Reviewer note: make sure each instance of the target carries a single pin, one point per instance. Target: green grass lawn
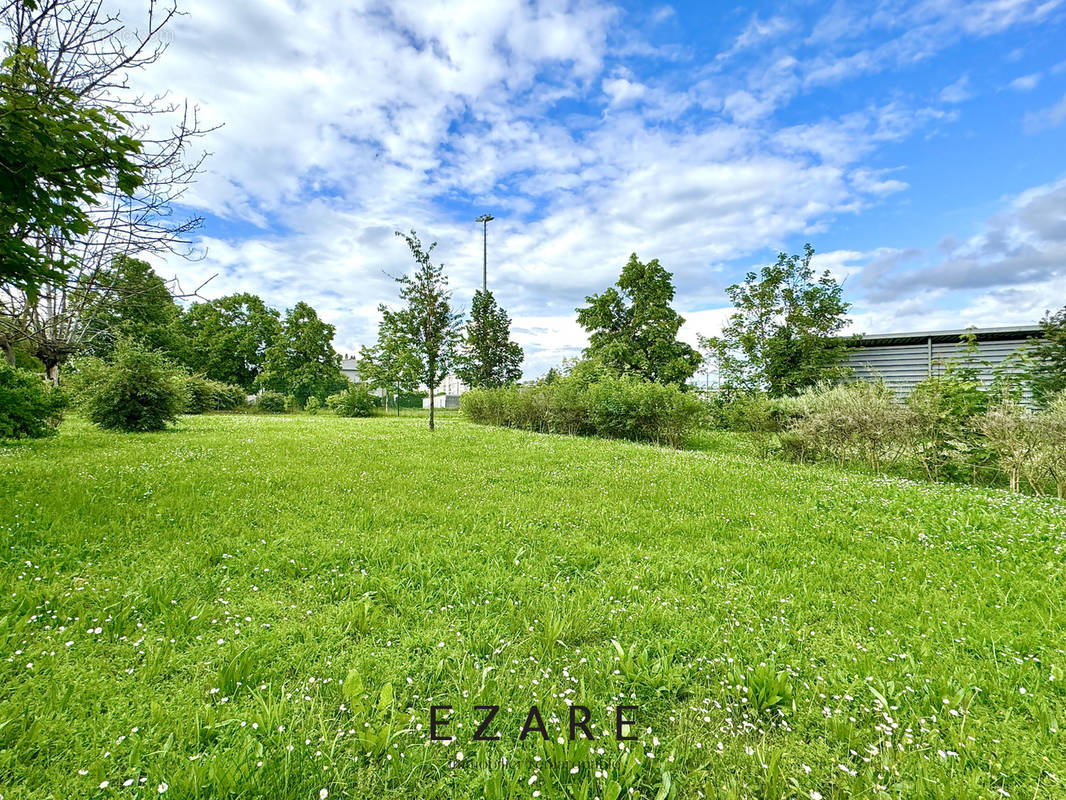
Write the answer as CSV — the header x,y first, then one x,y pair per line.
x,y
252,606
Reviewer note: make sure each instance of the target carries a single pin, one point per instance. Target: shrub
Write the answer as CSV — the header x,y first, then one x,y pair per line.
x,y
858,419
1047,359
353,402
684,415
198,394
271,402
528,409
628,409
203,395
491,406
568,407
1051,441
945,438
29,407
751,412
137,390
292,403
313,405
84,373
229,396
1011,431
477,406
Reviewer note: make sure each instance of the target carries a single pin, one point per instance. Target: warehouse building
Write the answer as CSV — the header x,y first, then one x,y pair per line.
x,y
902,360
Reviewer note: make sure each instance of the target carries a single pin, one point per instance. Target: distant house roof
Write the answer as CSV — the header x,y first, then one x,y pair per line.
x,y
921,337
350,368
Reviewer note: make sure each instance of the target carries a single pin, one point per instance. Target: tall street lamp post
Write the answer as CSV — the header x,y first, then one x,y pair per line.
x,y
485,219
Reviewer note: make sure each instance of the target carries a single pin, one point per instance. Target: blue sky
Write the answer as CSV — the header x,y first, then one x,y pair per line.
x,y
918,146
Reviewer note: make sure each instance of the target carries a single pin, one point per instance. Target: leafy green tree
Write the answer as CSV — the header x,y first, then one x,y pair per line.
x,y
1047,371
136,305
226,339
426,323
390,364
633,330
301,361
56,156
782,336
487,357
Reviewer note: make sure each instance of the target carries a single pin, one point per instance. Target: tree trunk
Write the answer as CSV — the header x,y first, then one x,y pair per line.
x,y
51,371
431,404
9,351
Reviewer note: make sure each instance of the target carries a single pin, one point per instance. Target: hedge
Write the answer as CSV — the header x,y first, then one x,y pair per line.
x,y
621,408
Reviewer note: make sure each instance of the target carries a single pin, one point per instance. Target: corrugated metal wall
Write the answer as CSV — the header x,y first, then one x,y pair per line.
x,y
901,366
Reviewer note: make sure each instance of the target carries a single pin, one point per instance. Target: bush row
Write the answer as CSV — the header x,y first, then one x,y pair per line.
x,y
137,389
622,408
356,401
948,428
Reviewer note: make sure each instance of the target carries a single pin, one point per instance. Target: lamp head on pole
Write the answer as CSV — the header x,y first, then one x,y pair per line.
x,y
485,218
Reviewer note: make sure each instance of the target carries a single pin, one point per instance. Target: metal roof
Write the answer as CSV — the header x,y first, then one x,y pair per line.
x,y
919,337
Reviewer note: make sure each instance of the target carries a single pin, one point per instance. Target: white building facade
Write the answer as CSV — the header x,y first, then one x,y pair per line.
x,y
447,393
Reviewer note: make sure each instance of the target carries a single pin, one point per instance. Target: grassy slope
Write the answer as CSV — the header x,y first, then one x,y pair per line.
x,y
191,601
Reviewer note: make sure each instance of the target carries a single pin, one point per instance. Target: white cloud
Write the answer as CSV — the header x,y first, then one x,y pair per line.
x,y
663,13
758,31
872,182
916,32
1045,118
957,92
1025,83
622,91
